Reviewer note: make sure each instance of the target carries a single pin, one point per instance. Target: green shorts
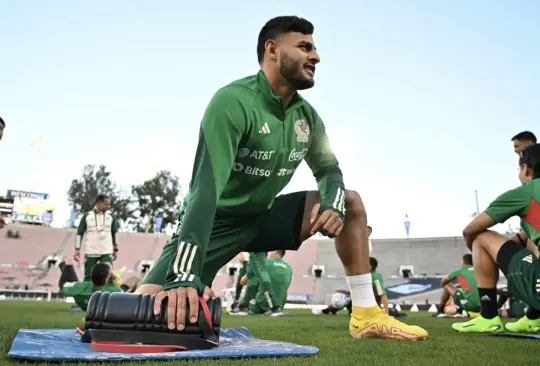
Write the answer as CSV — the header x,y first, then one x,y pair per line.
x,y
278,228
466,301
522,270
91,261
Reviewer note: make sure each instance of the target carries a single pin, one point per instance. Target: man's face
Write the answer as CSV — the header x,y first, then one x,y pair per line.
x,y
104,205
297,57
369,230
519,146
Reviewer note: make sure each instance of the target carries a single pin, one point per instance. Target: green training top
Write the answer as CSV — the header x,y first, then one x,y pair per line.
x,y
523,201
82,291
249,147
281,275
465,277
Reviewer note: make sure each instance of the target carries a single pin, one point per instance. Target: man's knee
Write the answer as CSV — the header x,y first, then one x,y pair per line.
x,y
450,289
354,206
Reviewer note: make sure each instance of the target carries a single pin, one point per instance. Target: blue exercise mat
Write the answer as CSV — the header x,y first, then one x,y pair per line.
x,y
515,335
65,345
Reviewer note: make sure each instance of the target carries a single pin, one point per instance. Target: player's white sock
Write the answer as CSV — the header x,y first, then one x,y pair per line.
x,y
361,290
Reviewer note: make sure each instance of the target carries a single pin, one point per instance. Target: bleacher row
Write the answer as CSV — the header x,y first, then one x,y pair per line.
x,y
30,261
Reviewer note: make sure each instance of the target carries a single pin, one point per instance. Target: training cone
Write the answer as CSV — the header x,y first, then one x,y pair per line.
x,y
432,308
414,308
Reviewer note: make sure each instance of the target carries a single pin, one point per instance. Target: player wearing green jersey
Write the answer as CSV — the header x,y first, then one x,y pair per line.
x,y
517,258
280,273
254,134
258,279
102,279
99,228
467,297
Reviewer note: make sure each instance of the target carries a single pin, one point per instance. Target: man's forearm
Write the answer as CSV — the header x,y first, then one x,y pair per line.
x,y
78,241
384,300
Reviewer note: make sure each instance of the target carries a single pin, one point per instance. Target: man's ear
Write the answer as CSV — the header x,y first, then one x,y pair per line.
x,y
271,49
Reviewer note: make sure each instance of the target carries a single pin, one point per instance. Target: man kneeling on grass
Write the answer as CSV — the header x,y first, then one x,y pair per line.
x,y
517,258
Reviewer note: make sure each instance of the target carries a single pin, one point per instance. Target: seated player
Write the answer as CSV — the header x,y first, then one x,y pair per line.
x,y
258,279
517,258
243,258
465,298
281,276
102,279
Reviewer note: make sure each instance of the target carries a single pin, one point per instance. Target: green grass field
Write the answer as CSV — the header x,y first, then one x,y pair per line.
x,y
328,333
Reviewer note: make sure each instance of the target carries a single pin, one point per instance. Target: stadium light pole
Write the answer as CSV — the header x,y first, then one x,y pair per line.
x,y
477,205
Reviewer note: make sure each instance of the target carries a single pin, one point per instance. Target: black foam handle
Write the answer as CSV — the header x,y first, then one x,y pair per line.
x,y
127,311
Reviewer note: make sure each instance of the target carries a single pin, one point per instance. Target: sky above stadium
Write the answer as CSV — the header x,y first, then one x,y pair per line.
x,y
420,98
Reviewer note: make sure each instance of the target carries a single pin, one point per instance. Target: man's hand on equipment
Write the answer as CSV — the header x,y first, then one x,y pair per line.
x,y
77,255
176,307
329,222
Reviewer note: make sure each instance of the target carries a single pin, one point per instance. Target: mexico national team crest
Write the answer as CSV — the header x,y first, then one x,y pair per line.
x,y
302,130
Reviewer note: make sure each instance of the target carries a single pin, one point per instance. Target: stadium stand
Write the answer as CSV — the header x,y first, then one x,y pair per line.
x,y
411,267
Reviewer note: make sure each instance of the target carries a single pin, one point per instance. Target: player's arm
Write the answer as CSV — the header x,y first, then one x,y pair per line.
x,y
325,167
522,238
81,230
445,281
114,235
451,277
380,290
71,289
384,300
511,203
224,123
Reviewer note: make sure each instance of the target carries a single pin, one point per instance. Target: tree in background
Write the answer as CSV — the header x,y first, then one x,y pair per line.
x,y
97,180
158,197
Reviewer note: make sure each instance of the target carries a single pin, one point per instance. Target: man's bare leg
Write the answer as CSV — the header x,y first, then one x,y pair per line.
x,y
485,250
448,291
352,246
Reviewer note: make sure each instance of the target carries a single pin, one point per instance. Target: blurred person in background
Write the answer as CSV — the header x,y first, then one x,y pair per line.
x,y
2,127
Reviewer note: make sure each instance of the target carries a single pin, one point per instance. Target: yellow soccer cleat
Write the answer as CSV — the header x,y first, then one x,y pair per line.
x,y
374,322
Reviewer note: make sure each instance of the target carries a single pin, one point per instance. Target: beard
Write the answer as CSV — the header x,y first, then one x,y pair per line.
x,y
291,71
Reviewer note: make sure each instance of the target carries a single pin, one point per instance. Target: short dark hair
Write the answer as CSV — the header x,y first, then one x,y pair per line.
x,y
467,259
101,198
374,263
100,274
2,122
525,136
530,156
278,26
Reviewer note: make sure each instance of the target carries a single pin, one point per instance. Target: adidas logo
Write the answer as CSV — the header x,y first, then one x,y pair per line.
x,y
528,259
486,298
265,129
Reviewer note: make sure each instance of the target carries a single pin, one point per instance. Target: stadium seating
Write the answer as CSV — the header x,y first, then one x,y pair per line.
x,y
31,260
